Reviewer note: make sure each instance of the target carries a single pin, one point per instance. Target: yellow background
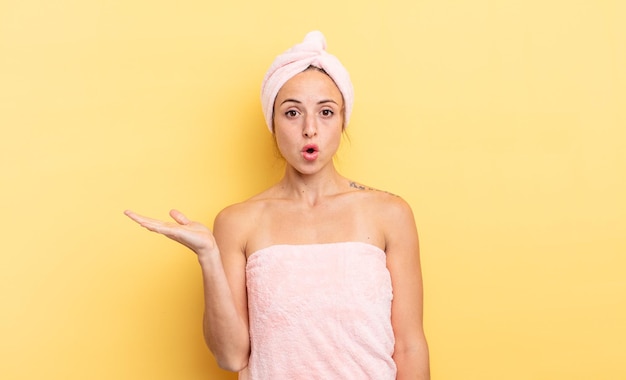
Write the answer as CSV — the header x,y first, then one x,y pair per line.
x,y
503,123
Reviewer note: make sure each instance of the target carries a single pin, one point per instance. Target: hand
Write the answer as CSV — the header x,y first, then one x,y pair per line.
x,y
193,235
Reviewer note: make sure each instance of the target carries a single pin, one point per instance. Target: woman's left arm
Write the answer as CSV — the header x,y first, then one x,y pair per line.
x,y
403,262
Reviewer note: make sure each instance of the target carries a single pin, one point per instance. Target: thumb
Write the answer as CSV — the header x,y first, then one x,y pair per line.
x,y
179,217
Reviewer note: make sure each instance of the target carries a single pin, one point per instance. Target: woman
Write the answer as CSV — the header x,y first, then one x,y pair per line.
x,y
317,276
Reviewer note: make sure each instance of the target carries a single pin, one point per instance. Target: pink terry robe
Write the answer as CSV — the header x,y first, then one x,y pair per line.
x,y
319,311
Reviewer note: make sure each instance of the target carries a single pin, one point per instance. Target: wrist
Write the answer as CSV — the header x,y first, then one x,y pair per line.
x,y
208,257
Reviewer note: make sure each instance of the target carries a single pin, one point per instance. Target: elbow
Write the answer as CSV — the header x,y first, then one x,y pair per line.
x,y
233,364
232,359
232,353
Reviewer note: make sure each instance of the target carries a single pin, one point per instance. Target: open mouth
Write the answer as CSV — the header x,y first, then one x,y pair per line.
x,y
310,148
310,152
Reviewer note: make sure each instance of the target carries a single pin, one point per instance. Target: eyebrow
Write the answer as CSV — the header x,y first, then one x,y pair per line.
x,y
299,102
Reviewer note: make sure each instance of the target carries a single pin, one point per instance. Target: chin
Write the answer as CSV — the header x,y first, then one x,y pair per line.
x,y
311,168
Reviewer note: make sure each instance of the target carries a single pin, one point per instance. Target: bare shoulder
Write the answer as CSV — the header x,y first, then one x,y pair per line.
x,y
238,215
235,224
392,216
384,202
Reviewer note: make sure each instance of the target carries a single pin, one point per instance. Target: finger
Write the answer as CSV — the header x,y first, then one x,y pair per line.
x,y
132,215
138,218
164,228
149,223
179,217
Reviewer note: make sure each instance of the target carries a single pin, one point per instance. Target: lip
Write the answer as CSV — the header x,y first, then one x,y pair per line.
x,y
310,152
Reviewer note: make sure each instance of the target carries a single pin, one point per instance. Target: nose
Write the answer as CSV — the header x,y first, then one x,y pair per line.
x,y
310,127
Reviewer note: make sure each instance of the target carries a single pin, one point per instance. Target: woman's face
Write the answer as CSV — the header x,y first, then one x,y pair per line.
x,y
308,120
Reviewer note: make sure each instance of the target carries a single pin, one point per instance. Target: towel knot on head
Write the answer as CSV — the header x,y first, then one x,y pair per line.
x,y
310,52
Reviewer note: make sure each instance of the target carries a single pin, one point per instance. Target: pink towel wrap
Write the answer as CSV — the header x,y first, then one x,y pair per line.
x,y
319,311
310,52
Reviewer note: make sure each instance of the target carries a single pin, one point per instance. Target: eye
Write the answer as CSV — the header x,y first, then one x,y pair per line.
x,y
327,112
291,113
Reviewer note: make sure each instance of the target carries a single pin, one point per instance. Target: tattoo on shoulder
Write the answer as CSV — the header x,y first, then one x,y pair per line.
x,y
358,186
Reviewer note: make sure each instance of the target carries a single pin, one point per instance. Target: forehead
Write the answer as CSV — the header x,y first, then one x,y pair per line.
x,y
310,84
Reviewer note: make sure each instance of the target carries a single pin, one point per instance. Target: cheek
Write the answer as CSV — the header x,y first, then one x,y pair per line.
x,y
282,142
334,140
277,150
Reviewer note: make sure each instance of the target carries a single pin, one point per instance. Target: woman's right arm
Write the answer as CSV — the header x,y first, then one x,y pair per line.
x,y
226,326
225,322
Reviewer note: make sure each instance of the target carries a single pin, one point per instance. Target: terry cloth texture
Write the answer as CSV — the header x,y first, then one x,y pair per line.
x,y
320,311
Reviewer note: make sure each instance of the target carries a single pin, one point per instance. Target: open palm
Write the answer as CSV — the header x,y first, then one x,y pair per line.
x,y
193,235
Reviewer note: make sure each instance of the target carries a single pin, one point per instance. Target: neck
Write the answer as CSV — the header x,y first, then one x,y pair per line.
x,y
311,188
